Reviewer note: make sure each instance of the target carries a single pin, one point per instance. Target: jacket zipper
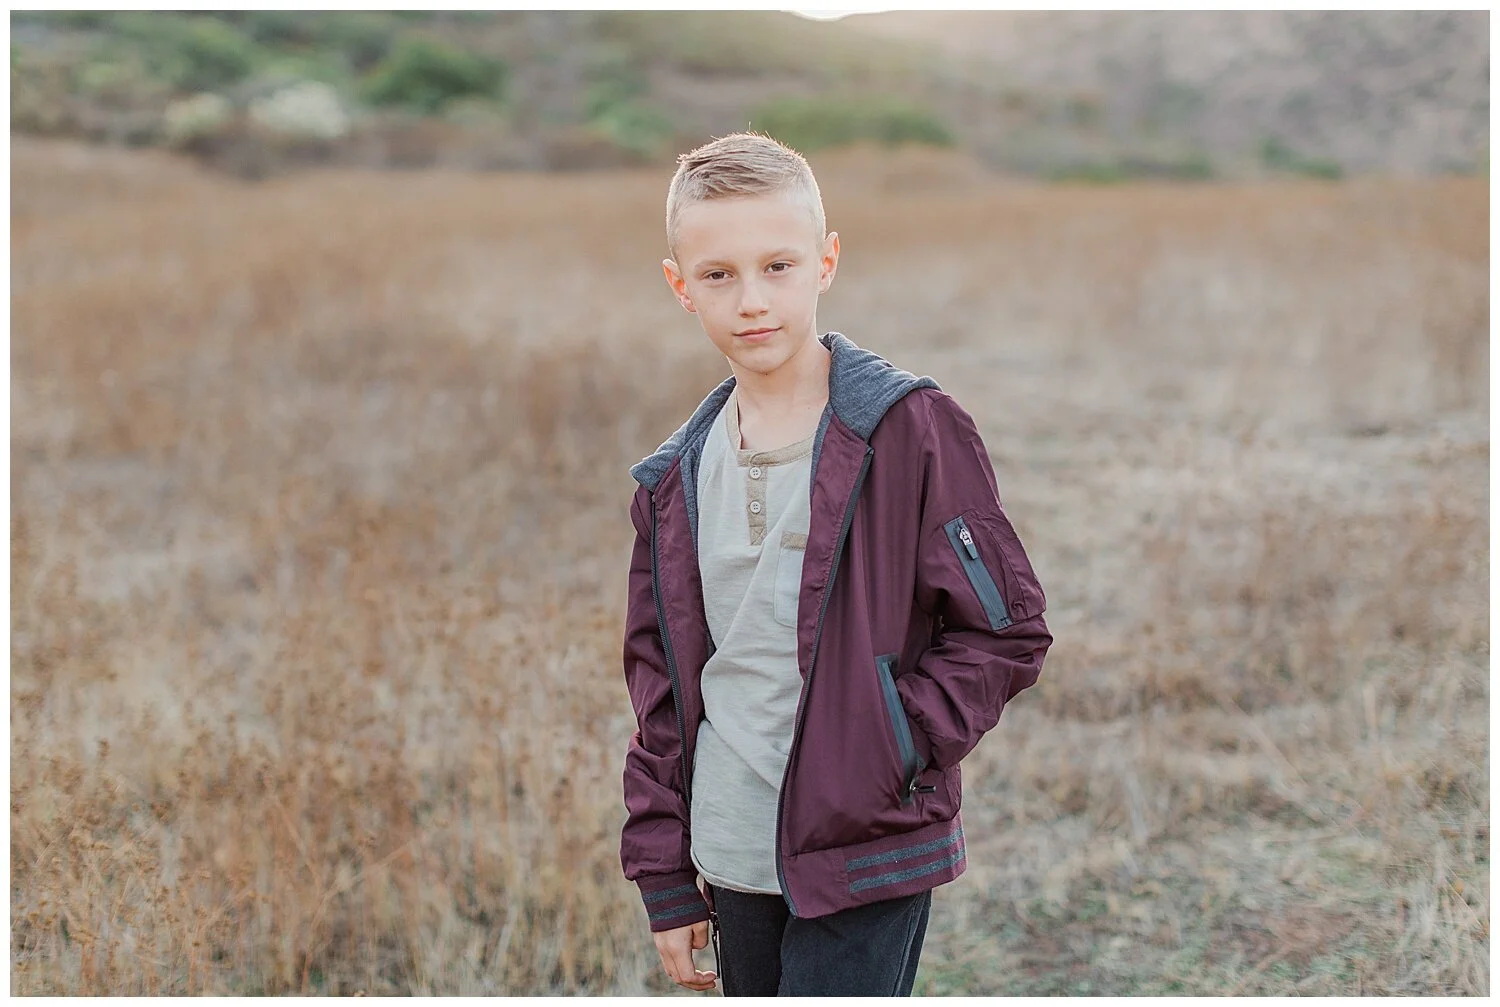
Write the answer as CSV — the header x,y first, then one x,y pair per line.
x,y
979,575
838,552
666,644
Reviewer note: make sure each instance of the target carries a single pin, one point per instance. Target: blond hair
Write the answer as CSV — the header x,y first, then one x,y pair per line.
x,y
741,164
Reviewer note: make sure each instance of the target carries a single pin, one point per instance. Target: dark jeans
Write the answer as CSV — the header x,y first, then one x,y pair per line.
x,y
869,950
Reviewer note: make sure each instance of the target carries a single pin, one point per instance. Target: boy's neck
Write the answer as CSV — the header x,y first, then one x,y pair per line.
x,y
802,379
779,404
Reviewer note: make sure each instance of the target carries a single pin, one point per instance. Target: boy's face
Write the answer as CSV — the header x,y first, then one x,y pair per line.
x,y
750,263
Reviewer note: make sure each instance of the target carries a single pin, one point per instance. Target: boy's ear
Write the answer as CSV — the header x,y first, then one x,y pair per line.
x,y
830,261
678,284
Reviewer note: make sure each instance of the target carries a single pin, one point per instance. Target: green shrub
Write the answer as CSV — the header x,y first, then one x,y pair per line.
x,y
424,74
764,44
639,129
80,20
809,124
316,64
364,38
1194,166
200,53
213,55
1173,106
612,78
191,53
1083,110
281,28
124,81
719,43
1277,155
39,96
356,39
1090,173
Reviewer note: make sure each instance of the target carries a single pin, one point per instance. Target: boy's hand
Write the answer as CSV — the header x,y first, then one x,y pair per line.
x,y
676,950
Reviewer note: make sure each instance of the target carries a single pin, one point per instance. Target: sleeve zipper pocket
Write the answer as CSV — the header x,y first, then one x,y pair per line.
x,y
979,576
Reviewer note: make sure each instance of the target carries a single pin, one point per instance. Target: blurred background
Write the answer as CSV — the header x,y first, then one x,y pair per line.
x,y
1099,96
335,334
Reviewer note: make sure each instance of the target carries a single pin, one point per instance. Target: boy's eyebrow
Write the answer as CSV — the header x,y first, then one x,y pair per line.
x,y
780,253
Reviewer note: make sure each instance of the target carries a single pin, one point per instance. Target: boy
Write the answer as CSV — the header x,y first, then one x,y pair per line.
x,y
827,609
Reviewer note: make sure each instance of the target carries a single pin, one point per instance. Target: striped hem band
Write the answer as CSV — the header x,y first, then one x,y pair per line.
x,y
902,856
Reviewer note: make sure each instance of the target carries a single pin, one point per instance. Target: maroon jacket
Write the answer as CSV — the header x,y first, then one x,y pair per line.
x,y
919,618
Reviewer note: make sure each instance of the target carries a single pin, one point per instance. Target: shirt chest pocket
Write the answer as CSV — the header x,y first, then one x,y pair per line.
x,y
788,584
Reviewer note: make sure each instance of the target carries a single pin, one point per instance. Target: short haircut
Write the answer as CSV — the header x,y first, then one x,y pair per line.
x,y
741,164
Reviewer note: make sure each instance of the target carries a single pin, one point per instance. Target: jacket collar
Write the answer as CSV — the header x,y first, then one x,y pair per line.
x,y
862,385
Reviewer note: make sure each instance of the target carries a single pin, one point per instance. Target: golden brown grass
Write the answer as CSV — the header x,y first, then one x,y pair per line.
x,y
319,541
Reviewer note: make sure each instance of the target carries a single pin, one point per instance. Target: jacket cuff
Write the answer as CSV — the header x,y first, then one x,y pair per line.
x,y
673,900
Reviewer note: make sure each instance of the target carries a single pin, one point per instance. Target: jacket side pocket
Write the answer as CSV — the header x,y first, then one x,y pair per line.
x,y
911,763
967,548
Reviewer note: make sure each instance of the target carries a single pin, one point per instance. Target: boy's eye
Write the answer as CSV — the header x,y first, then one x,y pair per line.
x,y
719,274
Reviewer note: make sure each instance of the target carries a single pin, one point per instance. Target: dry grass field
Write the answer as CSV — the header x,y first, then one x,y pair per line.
x,y
319,541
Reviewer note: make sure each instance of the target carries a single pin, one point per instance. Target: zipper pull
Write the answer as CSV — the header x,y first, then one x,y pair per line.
x,y
967,540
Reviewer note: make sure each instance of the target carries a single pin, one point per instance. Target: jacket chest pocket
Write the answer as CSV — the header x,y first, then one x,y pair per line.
x,y
788,584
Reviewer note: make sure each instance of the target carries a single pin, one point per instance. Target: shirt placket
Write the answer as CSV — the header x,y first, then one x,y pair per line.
x,y
755,500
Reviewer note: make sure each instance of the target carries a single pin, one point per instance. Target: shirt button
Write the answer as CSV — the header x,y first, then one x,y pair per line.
x,y
754,506
755,472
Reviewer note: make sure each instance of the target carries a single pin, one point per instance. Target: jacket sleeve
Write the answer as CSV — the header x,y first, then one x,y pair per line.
x,y
974,577
654,842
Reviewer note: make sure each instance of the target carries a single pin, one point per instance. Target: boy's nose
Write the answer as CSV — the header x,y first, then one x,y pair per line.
x,y
752,301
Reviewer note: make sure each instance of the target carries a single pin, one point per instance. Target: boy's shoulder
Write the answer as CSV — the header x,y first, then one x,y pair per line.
x,y
929,408
649,470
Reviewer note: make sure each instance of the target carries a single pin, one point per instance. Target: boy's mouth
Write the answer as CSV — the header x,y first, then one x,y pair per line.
x,y
755,334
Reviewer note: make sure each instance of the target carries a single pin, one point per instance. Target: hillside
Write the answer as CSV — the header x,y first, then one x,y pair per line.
x,y
1092,96
1369,91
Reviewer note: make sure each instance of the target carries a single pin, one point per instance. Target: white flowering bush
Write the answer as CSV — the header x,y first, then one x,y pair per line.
x,y
194,118
305,110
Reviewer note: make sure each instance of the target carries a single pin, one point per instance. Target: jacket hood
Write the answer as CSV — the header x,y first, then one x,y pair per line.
x,y
862,385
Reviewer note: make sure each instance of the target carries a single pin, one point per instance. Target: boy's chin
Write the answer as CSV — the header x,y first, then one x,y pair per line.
x,y
761,360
